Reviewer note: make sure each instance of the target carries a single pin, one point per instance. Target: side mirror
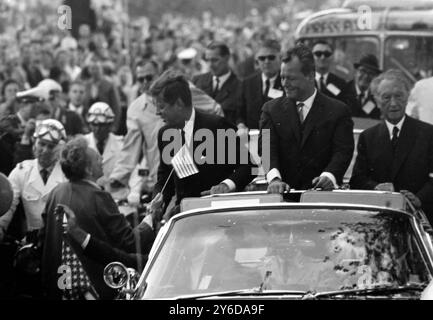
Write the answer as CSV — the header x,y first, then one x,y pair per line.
x,y
116,275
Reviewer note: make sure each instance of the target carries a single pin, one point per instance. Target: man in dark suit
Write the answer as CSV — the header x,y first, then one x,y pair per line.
x,y
219,169
311,138
357,94
396,154
327,82
260,87
220,83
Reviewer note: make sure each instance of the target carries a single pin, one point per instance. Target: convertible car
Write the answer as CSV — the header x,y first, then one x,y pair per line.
x,y
344,244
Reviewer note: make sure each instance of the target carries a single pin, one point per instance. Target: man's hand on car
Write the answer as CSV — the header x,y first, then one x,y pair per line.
x,y
323,183
278,186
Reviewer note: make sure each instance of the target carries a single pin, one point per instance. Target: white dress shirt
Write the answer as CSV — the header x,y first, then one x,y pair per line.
x,y
325,78
275,173
271,81
222,79
391,126
189,129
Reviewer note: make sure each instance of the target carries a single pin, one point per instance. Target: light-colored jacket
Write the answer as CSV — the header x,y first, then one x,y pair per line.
x,y
111,155
28,185
140,143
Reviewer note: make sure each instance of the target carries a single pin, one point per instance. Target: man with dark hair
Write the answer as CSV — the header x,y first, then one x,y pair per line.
x,y
205,172
261,87
357,93
397,154
220,83
327,82
311,139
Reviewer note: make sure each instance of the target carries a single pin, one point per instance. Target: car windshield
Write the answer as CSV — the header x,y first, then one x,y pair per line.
x,y
297,249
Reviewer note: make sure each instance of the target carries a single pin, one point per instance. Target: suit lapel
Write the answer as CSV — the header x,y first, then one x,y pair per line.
x,y
405,143
208,85
314,115
289,115
384,146
225,89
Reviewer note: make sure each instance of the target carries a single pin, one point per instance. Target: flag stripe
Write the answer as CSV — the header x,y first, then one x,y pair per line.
x,y
183,163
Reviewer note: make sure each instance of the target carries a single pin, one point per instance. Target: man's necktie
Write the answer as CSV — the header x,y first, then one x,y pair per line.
x,y
361,98
217,85
267,87
322,84
44,175
300,109
394,138
182,134
100,145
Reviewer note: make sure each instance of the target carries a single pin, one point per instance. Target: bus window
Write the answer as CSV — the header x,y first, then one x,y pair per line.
x,y
412,55
348,50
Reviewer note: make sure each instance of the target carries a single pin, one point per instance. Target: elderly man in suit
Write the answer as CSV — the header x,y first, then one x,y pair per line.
x,y
261,87
207,173
220,83
357,93
396,154
327,82
311,138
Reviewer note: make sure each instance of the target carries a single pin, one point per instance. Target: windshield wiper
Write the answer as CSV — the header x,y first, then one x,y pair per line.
x,y
374,291
244,292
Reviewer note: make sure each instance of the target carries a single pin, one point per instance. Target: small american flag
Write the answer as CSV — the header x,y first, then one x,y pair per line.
x,y
183,164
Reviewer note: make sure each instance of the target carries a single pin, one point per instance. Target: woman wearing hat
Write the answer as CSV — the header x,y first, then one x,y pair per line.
x,y
32,180
357,93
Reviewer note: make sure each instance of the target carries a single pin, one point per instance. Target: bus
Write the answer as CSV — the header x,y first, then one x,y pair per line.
x,y
398,32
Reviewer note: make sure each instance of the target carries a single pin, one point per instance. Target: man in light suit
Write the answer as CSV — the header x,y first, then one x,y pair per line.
x,y
396,154
220,83
311,138
260,87
100,118
32,180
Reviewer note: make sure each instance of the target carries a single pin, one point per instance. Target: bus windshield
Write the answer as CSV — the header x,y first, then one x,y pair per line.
x,y
410,54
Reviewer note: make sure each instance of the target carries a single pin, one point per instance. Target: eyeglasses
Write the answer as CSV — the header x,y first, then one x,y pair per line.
x,y
326,54
270,57
148,78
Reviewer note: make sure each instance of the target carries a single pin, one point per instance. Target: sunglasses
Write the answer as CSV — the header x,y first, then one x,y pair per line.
x,y
148,78
270,57
326,54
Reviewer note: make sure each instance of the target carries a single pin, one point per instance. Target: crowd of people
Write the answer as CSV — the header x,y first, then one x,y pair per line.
x,y
84,123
